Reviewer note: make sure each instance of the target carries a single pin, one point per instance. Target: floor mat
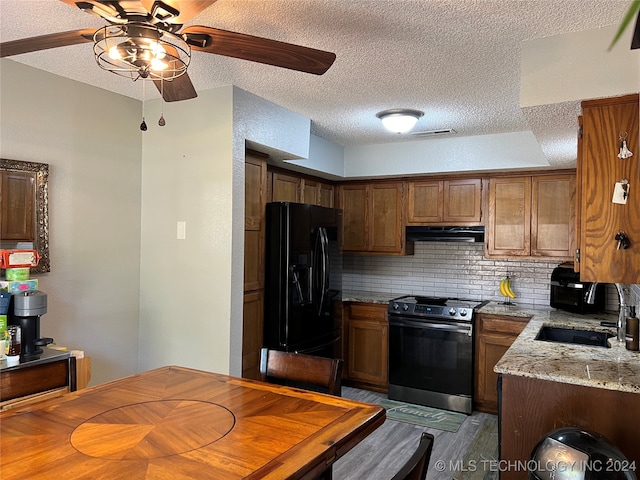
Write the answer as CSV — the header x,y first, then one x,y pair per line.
x,y
424,416
481,461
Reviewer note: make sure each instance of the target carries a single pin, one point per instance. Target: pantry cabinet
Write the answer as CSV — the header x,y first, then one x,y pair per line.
x,y
255,199
606,123
445,202
494,336
531,216
372,218
366,339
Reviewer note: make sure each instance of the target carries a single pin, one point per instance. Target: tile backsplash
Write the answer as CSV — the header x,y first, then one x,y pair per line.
x,y
457,270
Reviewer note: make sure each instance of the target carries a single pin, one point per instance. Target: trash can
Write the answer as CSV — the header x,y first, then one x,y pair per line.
x,y
577,454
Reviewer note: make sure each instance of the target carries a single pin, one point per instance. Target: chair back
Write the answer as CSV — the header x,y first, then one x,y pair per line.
x,y
416,467
300,370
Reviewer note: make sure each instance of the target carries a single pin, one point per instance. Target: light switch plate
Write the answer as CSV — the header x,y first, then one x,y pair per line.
x,y
182,230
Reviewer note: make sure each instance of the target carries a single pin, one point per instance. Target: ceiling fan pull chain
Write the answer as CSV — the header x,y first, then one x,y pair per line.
x,y
161,121
143,125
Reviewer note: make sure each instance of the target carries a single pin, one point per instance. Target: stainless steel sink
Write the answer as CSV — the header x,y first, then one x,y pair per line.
x,y
576,337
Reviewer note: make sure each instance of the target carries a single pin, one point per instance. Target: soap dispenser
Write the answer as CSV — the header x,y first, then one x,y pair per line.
x,y
633,331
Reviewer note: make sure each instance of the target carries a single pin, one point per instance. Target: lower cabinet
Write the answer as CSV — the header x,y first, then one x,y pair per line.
x,y
494,336
366,345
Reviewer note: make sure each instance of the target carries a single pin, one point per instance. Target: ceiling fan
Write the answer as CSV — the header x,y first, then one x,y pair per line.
x,y
145,39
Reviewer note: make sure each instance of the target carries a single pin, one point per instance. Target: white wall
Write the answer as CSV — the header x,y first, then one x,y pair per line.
x,y
91,141
578,66
184,284
440,155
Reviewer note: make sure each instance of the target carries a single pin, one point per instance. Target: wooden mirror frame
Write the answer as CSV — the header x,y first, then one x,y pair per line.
x,y
41,171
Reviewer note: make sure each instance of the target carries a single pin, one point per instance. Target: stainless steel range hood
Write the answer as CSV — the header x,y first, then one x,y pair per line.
x,y
445,234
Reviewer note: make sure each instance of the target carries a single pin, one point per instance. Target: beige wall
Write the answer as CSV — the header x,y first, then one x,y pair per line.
x,y
90,139
184,284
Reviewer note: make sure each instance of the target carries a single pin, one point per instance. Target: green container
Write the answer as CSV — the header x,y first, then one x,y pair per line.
x,y
21,273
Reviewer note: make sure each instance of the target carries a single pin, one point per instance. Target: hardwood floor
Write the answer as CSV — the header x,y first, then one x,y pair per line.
x,y
382,453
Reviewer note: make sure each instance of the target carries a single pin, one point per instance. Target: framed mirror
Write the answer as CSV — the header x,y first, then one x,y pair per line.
x,y
24,205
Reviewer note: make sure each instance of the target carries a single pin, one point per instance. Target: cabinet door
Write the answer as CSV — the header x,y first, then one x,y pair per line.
x,y
17,191
252,324
386,231
424,203
490,349
601,219
326,195
254,207
367,351
462,201
286,188
494,336
509,216
354,217
553,216
310,192
367,346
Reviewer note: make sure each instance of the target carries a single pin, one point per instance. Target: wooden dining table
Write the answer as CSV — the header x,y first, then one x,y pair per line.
x,y
179,423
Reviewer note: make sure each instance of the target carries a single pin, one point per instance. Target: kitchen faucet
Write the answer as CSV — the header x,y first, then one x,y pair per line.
x,y
621,325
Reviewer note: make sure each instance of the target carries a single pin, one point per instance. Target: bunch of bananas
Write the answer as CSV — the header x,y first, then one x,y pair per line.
x,y
505,288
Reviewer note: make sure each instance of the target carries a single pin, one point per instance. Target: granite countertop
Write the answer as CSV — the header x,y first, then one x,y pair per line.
x,y
614,368
368,297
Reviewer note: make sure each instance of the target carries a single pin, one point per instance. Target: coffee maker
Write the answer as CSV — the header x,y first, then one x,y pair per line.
x,y
25,310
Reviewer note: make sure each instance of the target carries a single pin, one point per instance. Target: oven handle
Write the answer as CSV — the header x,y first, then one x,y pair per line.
x,y
456,328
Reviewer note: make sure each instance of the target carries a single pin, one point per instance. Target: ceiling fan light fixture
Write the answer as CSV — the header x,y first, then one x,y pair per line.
x,y
399,120
141,50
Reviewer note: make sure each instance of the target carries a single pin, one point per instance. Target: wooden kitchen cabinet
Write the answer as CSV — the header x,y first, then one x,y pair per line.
x,y
494,336
17,193
604,123
445,202
52,375
254,241
317,193
286,188
372,218
366,345
532,216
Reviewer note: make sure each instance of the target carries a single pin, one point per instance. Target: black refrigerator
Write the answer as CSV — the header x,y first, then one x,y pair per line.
x,y
302,278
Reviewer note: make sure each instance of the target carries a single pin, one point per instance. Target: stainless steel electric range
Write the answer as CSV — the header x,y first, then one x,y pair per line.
x,y
431,351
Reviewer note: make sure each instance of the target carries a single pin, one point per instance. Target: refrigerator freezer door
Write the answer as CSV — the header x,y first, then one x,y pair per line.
x,y
298,307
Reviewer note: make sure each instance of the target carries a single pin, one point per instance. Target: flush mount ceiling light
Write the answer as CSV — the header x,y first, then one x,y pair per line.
x,y
399,120
141,50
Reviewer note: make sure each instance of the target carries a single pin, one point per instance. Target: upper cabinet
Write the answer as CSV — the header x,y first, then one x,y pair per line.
x,y
531,216
286,188
317,193
445,202
372,218
606,123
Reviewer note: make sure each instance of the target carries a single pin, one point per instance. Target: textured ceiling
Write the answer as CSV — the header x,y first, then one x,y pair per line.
x,y
458,60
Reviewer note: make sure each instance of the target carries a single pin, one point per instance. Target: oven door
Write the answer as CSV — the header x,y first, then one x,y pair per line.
x,y
431,355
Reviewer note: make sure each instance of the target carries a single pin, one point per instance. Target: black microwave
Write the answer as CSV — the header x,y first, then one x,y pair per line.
x,y
569,293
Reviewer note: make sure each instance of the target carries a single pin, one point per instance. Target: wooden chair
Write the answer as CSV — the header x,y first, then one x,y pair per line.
x,y
300,370
416,467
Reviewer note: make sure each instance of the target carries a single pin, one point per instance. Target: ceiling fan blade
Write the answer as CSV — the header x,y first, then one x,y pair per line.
x,y
44,42
180,88
257,49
